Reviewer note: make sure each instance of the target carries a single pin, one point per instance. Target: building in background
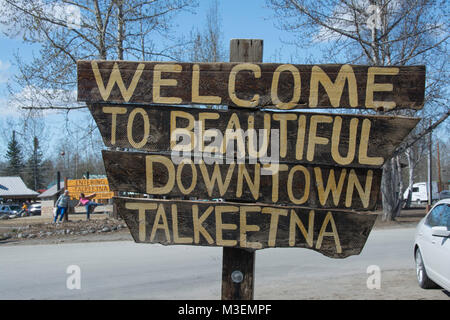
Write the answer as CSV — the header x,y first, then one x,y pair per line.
x,y
48,199
13,189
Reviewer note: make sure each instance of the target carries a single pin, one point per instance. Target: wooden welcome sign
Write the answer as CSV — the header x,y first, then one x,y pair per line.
x,y
334,233
250,85
308,185
261,178
347,140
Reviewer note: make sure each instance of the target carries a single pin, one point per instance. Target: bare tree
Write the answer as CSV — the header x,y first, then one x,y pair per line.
x,y
378,32
68,31
207,45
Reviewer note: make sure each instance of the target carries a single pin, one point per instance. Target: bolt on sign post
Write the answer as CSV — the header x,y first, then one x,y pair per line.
x,y
264,173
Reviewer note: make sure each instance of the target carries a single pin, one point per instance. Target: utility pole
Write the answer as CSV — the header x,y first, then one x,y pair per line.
x,y
58,178
35,146
430,179
69,208
439,169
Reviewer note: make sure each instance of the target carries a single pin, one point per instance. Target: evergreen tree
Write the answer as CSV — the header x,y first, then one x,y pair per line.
x,y
34,178
14,157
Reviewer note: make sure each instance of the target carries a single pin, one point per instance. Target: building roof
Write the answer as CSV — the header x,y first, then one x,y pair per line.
x,y
15,187
52,191
95,176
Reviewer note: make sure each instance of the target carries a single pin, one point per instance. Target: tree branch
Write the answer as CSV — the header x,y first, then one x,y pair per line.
x,y
422,134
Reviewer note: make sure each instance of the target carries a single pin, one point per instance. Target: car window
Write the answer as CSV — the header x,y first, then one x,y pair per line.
x,y
445,217
415,189
434,217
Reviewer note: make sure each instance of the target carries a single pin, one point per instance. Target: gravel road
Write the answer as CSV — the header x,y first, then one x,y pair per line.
x,y
126,270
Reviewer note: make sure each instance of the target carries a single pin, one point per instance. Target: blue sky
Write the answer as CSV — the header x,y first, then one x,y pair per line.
x,y
250,21
245,19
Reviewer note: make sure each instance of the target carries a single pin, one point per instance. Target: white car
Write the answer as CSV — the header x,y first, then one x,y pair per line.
x,y
35,209
432,247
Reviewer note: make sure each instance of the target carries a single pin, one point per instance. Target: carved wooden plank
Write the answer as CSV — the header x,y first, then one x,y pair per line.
x,y
334,233
250,85
318,138
306,185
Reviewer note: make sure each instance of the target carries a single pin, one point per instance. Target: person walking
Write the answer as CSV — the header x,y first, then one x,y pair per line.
x,y
90,205
62,205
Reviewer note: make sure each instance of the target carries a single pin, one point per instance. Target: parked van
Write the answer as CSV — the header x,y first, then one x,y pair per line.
x,y
420,194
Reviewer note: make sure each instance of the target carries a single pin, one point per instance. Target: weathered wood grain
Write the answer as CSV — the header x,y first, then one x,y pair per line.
x,y
306,185
241,50
242,260
334,233
251,85
376,137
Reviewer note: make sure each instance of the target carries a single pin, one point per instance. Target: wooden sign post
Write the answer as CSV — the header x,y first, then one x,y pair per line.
x,y
238,265
262,178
